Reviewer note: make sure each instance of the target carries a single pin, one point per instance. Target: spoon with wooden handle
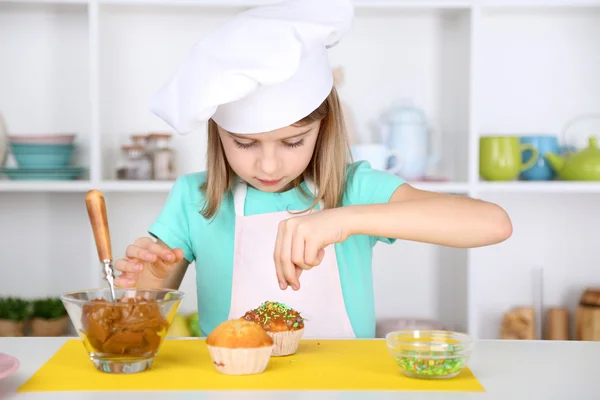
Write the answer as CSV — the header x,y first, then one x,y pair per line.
x,y
96,208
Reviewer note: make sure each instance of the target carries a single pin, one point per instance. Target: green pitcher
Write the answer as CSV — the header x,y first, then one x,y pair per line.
x,y
500,157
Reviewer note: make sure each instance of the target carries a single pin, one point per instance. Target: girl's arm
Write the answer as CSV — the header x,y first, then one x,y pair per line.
x,y
421,216
410,214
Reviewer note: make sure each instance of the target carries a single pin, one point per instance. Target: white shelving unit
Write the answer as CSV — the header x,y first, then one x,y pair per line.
x,y
555,187
474,66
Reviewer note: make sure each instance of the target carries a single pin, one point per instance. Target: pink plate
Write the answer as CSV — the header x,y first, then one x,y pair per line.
x,y
8,365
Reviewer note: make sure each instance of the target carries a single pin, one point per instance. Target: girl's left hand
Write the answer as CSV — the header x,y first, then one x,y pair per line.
x,y
301,241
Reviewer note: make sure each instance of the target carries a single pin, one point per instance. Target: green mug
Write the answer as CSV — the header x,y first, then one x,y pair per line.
x,y
500,157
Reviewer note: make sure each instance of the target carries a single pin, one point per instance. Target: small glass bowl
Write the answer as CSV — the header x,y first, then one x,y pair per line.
x,y
122,337
429,354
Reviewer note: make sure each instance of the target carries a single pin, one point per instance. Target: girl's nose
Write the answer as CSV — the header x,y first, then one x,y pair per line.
x,y
269,162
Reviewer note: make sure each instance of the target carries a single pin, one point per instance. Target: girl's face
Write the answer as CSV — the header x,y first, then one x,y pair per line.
x,y
270,161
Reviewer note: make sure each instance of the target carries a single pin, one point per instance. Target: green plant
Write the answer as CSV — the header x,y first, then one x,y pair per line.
x,y
48,308
14,309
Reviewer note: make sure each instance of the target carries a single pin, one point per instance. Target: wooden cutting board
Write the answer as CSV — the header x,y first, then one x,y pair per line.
x,y
186,365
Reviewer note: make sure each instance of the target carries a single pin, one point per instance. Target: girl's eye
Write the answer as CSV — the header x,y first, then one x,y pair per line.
x,y
295,144
243,145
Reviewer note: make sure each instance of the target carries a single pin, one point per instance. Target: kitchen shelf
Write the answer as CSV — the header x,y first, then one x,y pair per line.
x,y
414,4
44,186
136,186
187,3
153,186
163,186
539,187
390,4
84,186
442,187
522,187
523,4
46,2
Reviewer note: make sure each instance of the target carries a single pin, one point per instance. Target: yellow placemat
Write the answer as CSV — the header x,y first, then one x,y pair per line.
x,y
186,365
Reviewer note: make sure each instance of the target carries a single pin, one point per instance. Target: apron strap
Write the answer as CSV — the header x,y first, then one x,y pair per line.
x,y
240,189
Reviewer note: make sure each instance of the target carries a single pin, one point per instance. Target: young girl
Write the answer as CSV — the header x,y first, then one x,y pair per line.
x,y
281,214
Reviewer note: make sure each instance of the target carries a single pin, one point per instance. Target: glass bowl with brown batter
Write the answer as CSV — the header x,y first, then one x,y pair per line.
x,y
124,336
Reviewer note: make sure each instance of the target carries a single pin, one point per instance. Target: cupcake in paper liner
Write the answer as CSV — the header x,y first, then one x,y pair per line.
x,y
282,323
239,347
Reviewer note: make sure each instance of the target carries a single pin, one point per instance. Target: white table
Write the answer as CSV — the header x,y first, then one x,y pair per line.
x,y
508,370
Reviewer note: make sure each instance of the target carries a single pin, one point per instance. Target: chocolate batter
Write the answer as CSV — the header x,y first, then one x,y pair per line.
x,y
131,327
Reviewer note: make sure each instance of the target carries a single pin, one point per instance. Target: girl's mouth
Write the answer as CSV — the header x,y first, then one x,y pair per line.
x,y
269,183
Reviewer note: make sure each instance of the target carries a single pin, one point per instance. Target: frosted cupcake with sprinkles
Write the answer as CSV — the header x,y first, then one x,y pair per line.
x,y
282,323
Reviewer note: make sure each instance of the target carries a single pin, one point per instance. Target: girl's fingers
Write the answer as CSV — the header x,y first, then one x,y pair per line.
x,y
165,255
277,258
139,253
321,256
126,280
128,265
312,254
288,268
298,250
150,252
178,255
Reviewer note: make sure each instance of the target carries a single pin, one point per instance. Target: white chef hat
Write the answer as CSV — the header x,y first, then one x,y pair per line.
x,y
265,69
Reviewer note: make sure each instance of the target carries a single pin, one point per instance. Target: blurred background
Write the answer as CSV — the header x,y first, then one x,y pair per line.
x,y
496,100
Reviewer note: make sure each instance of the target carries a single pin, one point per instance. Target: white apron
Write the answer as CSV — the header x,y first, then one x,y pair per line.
x,y
319,299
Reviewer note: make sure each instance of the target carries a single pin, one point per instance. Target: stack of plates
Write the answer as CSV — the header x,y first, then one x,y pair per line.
x,y
42,157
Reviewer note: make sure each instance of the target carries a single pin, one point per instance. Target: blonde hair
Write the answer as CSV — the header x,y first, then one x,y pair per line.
x,y
327,168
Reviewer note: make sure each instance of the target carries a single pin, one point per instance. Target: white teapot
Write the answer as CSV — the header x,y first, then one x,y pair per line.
x,y
405,131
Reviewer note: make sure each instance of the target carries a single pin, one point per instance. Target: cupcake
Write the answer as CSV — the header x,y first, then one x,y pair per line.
x,y
239,347
282,323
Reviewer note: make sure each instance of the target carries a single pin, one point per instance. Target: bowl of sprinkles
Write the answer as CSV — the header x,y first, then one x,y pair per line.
x,y
284,324
432,354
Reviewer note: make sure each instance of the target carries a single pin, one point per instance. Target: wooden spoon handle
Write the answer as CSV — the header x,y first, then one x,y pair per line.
x,y
96,208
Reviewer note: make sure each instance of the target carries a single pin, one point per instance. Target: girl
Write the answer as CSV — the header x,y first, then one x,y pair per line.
x,y
280,213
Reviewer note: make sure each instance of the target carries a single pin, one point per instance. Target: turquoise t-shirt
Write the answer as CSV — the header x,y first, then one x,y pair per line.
x,y
210,243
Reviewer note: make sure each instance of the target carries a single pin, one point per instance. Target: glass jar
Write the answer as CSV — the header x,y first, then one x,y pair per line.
x,y
140,140
135,164
122,166
163,157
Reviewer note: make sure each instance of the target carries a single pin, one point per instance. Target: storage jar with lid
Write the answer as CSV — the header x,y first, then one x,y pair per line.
x,y
163,157
135,164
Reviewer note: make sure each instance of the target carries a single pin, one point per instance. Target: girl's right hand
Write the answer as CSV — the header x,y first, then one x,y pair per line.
x,y
144,257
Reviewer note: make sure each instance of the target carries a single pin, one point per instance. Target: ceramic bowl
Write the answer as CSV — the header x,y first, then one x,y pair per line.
x,y
429,354
43,174
122,337
29,155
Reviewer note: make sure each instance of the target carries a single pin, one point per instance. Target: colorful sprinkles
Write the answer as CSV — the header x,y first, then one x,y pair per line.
x,y
272,312
444,364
